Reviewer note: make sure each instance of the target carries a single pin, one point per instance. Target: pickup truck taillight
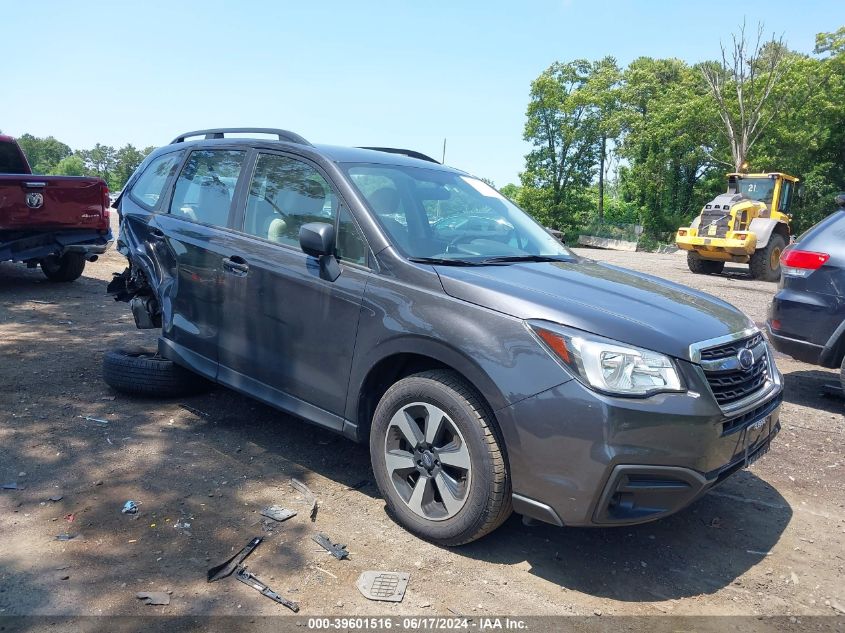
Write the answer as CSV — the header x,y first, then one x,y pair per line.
x,y
106,202
798,263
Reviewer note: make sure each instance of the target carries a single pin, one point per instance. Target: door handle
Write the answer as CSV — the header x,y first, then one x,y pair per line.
x,y
235,265
157,234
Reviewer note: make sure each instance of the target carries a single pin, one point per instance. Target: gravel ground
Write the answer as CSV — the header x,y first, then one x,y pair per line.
x,y
767,542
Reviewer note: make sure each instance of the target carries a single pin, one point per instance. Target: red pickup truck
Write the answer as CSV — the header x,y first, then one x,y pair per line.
x,y
57,222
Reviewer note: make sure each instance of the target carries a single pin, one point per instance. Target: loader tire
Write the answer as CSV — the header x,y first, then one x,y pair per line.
x,y
765,262
703,266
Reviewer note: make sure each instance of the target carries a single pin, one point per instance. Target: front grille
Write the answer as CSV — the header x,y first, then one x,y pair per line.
x,y
732,385
730,349
740,422
720,218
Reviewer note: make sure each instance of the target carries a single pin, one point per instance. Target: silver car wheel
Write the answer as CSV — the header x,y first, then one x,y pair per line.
x,y
428,461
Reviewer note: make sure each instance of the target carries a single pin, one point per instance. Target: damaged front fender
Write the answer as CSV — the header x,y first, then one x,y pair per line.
x,y
135,285
132,287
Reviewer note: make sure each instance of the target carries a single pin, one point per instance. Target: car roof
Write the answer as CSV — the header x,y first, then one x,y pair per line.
x,y
334,153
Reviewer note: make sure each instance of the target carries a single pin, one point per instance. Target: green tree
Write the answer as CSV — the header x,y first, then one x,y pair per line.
x,y
668,125
127,159
833,43
100,161
807,138
603,93
562,127
70,166
43,154
511,192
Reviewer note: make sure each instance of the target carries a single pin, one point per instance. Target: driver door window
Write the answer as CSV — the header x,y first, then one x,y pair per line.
x,y
284,194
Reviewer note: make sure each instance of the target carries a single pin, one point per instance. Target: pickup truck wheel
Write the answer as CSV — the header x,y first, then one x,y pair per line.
x,y
68,267
765,262
144,373
438,459
703,266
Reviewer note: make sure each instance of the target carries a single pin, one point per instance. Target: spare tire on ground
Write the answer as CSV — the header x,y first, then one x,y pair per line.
x,y
140,372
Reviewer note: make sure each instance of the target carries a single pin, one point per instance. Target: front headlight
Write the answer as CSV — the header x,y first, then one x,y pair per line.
x,y
606,365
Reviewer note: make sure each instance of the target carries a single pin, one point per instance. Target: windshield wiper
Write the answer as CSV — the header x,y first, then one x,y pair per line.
x,y
443,261
525,258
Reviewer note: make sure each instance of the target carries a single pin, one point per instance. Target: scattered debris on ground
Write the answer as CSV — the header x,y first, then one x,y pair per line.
x,y
250,580
335,549
154,597
309,496
385,586
227,568
277,513
130,507
99,421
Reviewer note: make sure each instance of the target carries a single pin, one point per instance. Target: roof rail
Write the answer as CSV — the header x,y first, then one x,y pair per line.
x,y
405,152
284,135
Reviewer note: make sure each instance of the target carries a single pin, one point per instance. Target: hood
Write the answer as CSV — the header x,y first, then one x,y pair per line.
x,y
626,306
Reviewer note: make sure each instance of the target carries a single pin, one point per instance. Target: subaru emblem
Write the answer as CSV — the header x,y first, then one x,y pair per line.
x,y
745,358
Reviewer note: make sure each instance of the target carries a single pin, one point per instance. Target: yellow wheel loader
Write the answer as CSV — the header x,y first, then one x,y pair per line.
x,y
748,225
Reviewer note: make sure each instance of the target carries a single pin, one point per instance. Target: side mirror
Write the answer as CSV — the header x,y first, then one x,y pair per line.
x,y
317,240
840,201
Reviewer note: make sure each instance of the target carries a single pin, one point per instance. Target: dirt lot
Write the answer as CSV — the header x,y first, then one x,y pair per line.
x,y
768,542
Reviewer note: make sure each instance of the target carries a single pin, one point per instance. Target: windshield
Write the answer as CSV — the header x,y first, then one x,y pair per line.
x,y
759,189
435,214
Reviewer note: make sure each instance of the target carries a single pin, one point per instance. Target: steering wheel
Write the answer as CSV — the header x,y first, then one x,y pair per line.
x,y
462,237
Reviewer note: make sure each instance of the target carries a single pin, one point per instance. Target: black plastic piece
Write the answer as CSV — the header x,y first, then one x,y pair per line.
x,y
283,135
335,549
226,569
636,494
404,152
250,580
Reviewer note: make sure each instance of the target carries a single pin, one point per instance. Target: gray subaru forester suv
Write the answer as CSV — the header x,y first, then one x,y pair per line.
x,y
406,304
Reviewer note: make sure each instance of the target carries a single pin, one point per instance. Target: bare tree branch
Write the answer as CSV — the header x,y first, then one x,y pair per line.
x,y
752,72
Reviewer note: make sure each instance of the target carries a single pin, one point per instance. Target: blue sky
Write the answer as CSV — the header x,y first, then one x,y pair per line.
x,y
403,74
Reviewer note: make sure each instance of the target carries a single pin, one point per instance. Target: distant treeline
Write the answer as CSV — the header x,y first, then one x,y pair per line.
x,y
650,143
51,156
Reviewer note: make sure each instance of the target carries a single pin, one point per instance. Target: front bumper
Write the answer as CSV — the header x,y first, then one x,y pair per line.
x,y
579,458
728,248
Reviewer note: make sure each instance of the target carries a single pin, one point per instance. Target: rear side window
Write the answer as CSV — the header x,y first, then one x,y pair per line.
x,y
149,187
204,189
10,159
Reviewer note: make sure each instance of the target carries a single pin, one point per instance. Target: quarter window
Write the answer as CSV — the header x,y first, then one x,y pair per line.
x,y
284,194
351,245
204,189
148,188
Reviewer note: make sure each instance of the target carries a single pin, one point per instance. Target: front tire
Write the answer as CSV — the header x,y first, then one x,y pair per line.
x,y
765,262
438,460
703,266
66,268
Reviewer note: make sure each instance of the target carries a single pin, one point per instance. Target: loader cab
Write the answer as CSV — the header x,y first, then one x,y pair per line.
x,y
775,190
